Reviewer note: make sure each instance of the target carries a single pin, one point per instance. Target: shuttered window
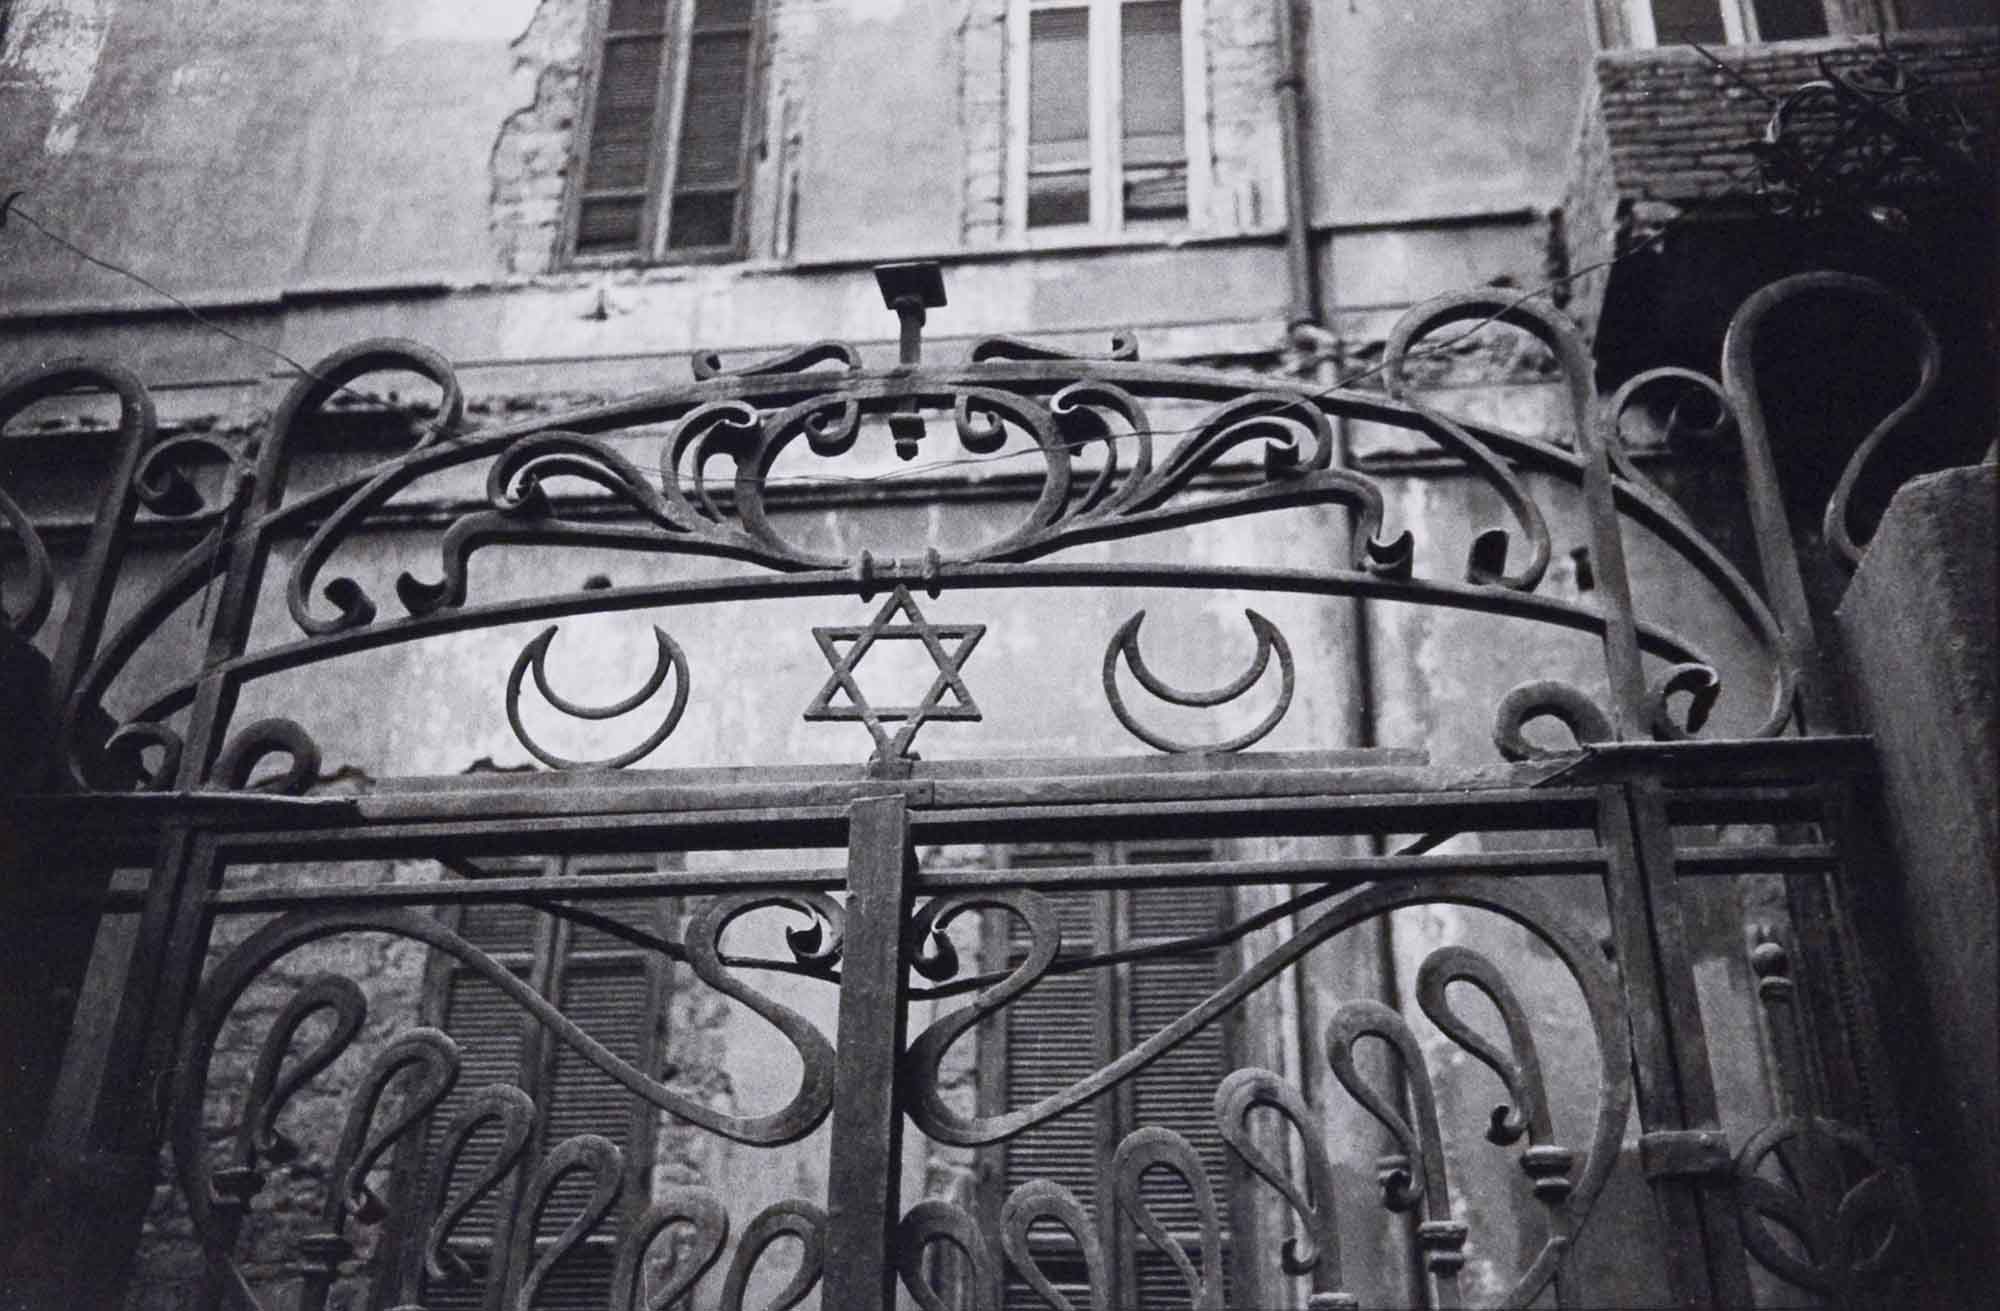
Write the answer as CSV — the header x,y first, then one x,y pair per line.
x,y
1713,22
606,984
1105,114
1070,1025
665,163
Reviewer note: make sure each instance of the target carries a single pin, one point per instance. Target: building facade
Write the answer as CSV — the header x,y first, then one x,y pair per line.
x,y
606,218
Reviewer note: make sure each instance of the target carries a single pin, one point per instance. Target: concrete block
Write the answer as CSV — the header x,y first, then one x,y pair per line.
x,y
1918,628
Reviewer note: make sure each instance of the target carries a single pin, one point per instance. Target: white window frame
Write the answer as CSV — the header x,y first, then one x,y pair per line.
x,y
1739,22
1107,171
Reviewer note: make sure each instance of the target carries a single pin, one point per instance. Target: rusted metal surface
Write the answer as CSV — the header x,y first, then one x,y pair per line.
x,y
170,785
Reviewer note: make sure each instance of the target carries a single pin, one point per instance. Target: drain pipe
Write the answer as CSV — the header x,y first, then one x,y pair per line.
x,y
1306,331
1290,86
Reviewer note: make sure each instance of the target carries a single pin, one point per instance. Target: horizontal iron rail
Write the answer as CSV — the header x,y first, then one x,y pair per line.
x,y
1261,794
1795,858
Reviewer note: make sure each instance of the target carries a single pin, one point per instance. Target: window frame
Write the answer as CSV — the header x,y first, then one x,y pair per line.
x,y
550,957
1104,116
1114,1114
1739,22
663,160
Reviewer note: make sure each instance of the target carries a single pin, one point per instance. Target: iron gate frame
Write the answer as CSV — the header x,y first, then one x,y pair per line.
x,y
198,816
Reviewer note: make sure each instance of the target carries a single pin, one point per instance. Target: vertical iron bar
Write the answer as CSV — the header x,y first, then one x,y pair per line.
x,y
114,1074
1681,1145
97,574
1658,1089
865,1165
1624,670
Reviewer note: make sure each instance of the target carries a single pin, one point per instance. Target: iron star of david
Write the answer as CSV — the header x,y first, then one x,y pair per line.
x,y
885,628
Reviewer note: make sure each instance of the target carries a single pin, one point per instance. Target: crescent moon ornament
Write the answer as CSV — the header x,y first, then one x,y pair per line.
x,y
535,654
1269,640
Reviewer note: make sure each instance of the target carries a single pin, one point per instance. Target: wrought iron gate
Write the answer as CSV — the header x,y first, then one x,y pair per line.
x,y
1591,868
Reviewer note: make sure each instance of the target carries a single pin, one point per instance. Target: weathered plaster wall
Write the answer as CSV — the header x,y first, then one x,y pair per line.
x,y
175,139
1438,106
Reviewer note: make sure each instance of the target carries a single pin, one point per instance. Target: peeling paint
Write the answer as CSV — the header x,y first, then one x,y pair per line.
x,y
529,166
57,44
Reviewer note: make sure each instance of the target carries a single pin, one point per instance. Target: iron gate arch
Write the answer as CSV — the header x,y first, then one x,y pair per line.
x,y
1813,1199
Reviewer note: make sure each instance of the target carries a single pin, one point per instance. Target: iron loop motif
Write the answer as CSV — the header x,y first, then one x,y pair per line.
x,y
936,1221
1739,377
1156,1147
792,1218
1567,1184
1044,1199
1125,642
698,1208
497,1106
534,656
1317,1251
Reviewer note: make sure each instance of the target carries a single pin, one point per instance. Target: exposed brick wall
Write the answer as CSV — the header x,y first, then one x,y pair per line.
x,y
1664,130
1680,130
530,164
1246,188
1592,211
982,102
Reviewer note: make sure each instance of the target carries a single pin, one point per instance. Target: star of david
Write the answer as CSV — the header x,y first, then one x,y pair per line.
x,y
884,627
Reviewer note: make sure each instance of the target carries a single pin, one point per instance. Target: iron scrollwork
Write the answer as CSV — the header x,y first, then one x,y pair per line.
x,y
424,1064
1156,1147
1821,1206
1044,1199
1059,412
1317,1251
1567,1183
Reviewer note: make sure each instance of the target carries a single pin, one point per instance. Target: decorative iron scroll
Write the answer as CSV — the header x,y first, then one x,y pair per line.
x,y
1104,470
423,1066
1565,1182
1821,1205
1739,376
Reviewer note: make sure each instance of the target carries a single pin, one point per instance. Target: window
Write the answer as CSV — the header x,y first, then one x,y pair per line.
x,y
1105,99
603,982
1068,1026
1720,22
663,172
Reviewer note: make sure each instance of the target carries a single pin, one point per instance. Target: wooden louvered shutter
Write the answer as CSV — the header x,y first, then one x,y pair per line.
x,y
610,987
712,153
1068,1026
620,166
1177,1091
1053,1035
493,1037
